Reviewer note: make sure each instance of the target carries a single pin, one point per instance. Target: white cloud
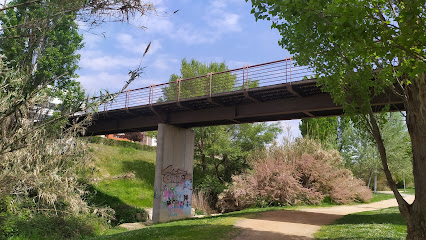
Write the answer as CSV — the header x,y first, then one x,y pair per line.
x,y
97,61
129,43
164,62
91,40
160,24
222,20
103,81
237,64
217,20
190,35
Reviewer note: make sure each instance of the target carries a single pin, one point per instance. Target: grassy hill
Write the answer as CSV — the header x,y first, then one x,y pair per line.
x,y
123,178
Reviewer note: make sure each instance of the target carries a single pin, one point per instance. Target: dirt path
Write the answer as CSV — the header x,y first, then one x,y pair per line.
x,y
301,224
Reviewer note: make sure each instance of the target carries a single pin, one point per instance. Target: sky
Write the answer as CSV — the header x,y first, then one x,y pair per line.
x,y
207,30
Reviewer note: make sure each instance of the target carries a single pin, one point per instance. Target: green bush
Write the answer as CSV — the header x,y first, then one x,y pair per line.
x,y
43,226
22,223
6,219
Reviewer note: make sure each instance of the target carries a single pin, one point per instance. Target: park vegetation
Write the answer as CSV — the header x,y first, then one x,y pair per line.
x,y
45,165
42,156
358,148
302,172
361,50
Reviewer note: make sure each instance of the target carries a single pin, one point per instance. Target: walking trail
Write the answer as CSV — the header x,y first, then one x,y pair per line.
x,y
301,224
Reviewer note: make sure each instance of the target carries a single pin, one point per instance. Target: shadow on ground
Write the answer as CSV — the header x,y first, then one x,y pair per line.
x,y
123,213
143,170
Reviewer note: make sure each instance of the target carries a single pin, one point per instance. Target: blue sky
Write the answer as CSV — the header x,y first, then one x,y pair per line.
x,y
208,31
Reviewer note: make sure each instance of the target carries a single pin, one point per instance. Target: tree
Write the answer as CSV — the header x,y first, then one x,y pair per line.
x,y
135,136
359,50
200,86
42,158
53,49
323,129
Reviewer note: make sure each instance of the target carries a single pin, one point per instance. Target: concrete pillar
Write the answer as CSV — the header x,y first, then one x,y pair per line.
x,y
173,173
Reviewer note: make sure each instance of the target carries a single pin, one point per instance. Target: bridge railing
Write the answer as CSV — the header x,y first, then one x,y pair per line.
x,y
240,79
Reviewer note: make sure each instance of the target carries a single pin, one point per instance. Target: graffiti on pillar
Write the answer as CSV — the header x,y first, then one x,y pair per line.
x,y
177,191
171,175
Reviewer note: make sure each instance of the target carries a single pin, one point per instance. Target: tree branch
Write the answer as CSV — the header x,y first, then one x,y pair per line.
x,y
382,151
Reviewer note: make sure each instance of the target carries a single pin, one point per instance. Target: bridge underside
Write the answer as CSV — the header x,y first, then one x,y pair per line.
x,y
298,100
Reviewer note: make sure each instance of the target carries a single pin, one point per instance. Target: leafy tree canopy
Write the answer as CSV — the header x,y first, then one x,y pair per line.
x,y
361,49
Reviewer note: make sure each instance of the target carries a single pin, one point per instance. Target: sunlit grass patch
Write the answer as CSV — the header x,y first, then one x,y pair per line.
x,y
380,224
206,228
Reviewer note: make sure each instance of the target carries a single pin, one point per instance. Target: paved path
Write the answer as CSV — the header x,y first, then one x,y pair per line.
x,y
301,224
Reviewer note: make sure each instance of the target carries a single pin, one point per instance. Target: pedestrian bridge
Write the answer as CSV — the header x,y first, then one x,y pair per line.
x,y
270,91
265,92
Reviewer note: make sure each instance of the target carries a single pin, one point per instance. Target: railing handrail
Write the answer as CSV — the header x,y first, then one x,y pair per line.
x,y
264,77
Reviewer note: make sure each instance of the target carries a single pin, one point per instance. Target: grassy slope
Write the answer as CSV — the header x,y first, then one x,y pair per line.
x,y
113,162
381,224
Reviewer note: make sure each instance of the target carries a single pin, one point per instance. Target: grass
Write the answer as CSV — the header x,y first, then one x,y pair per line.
x,y
381,224
377,197
205,228
124,181
407,191
113,163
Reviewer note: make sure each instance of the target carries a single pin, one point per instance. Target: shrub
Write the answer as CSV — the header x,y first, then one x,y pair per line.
x,y
201,203
301,173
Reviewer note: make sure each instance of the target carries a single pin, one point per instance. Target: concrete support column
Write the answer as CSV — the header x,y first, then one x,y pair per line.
x,y
173,173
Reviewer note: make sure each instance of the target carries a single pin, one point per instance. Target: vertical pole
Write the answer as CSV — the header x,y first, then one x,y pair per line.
x,y
150,97
211,75
290,68
126,102
244,69
404,184
375,182
247,82
286,67
178,96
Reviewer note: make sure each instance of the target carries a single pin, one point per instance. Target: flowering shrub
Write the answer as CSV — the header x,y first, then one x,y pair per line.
x,y
301,173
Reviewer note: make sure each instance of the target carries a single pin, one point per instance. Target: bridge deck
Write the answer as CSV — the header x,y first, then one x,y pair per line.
x,y
292,100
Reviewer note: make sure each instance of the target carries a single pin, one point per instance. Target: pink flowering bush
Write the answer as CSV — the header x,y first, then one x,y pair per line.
x,y
301,173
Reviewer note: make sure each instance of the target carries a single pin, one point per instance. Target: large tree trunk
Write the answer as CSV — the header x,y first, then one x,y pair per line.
x,y
416,124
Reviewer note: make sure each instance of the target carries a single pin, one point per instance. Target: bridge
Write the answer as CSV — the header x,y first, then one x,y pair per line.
x,y
271,91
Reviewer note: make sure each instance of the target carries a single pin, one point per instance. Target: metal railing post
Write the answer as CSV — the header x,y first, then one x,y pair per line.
x,y
150,94
290,69
244,70
211,75
178,95
247,82
286,67
126,101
